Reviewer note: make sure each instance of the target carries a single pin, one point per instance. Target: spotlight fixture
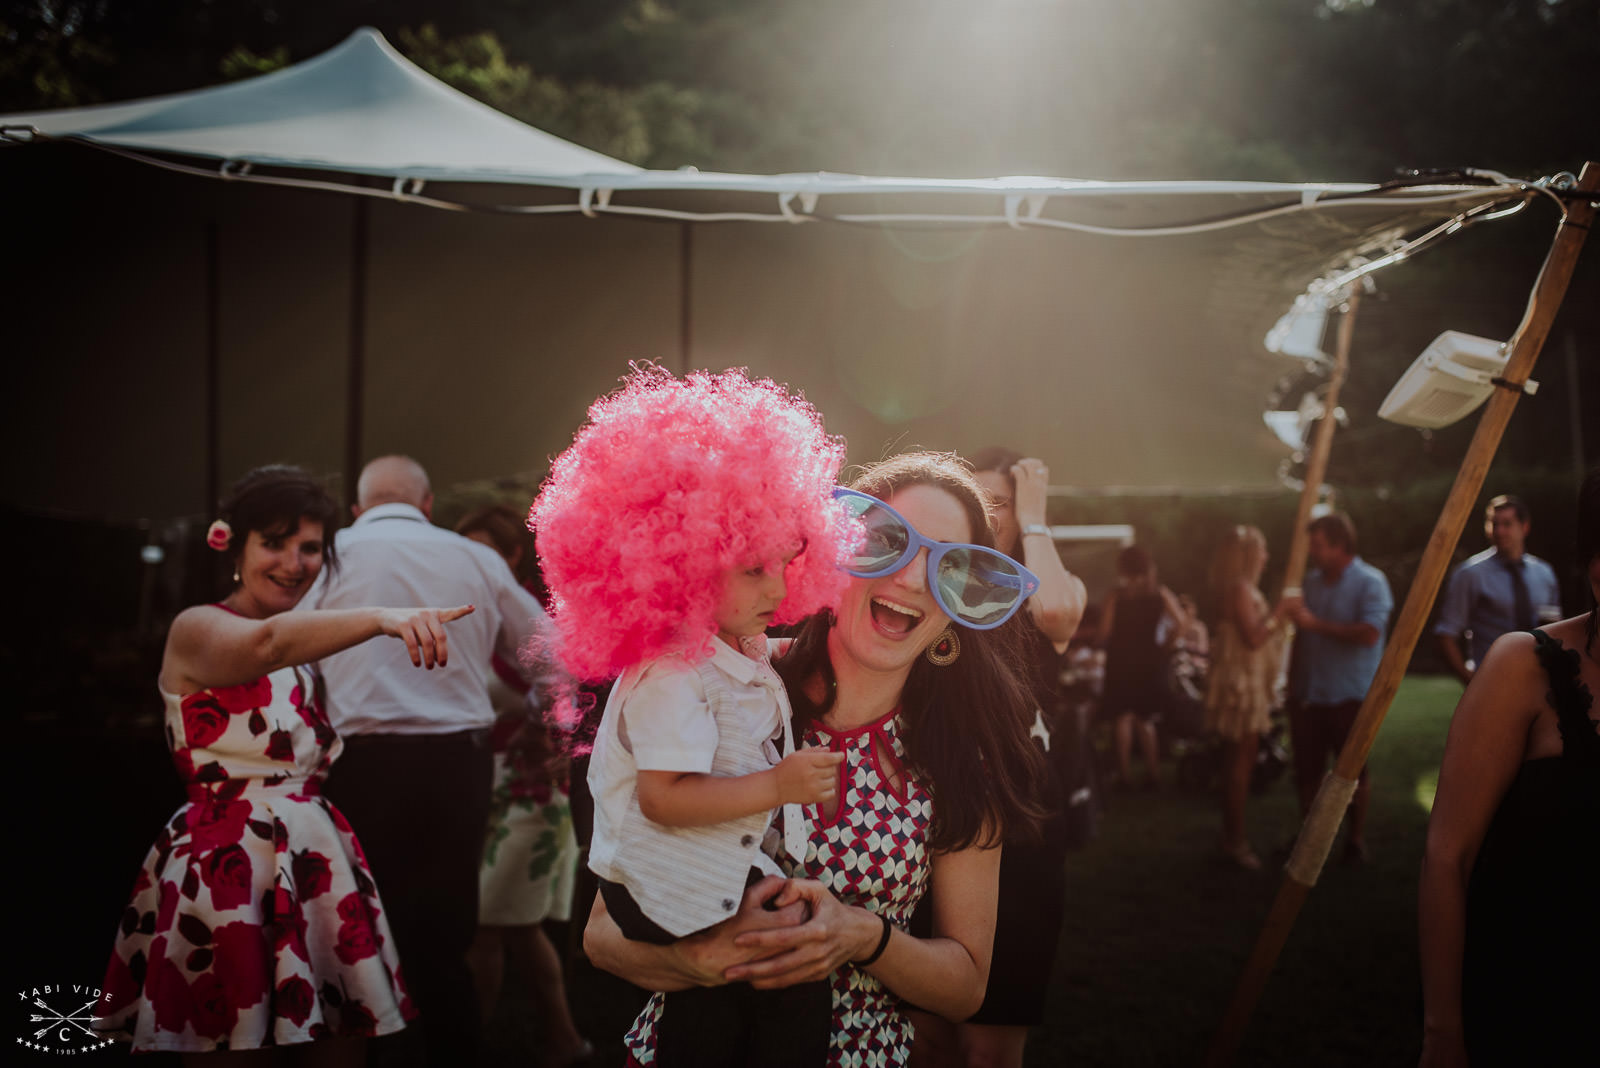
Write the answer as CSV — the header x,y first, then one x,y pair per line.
x,y
1454,374
1298,332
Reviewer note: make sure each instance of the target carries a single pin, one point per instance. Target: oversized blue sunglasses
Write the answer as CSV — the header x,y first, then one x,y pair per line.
x,y
977,587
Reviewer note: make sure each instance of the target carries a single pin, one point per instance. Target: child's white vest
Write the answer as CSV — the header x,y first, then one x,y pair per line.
x,y
688,878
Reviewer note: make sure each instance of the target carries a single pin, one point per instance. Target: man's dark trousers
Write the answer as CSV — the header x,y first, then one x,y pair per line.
x,y
419,804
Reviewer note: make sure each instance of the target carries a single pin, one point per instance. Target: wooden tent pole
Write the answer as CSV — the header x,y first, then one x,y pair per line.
x,y
1316,837
356,352
1294,571
685,294
213,376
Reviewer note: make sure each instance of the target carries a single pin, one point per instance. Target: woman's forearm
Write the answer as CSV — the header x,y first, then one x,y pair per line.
x,y
642,964
699,959
945,974
1057,606
301,637
937,974
1257,629
1442,918
207,648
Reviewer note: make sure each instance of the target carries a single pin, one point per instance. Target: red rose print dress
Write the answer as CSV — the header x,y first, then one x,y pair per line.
x,y
254,921
874,854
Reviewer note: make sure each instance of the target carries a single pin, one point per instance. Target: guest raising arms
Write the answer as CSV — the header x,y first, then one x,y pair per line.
x,y
1032,903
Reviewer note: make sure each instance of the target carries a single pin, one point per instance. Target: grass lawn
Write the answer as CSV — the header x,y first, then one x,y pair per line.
x,y
1158,925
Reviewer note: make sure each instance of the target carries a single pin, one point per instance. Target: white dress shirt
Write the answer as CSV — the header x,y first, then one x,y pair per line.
x,y
393,557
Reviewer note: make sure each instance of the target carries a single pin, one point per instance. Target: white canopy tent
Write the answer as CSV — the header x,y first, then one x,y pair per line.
x,y
1114,328
359,108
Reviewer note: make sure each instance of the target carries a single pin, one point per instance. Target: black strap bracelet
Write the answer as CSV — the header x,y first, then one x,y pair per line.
x,y
883,944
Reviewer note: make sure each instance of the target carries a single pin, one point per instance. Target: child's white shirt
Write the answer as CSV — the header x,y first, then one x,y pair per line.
x,y
726,715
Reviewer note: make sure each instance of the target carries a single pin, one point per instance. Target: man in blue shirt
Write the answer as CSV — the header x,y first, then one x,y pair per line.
x,y
1483,600
1340,620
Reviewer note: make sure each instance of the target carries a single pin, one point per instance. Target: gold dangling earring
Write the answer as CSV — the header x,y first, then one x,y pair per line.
x,y
945,649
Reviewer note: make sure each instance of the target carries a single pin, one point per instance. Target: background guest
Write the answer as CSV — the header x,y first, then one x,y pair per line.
x,y
1339,621
1135,692
417,768
1241,688
1501,589
1032,873
256,899
529,856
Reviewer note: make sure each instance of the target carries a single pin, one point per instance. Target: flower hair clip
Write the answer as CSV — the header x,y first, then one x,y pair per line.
x,y
219,535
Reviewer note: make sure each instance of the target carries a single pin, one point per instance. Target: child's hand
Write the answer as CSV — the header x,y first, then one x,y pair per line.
x,y
809,777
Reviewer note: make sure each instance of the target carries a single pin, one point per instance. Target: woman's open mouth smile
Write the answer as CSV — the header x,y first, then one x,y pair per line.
x,y
892,618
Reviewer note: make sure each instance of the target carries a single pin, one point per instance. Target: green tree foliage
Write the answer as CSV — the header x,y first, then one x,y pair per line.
x,y
243,63
653,124
50,65
1272,89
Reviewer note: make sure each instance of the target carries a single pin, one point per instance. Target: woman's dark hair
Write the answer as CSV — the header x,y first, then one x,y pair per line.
x,y
509,532
965,726
1134,562
272,500
999,459
1589,538
1336,529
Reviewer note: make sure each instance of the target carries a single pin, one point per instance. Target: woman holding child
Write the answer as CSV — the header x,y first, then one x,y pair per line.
x,y
910,720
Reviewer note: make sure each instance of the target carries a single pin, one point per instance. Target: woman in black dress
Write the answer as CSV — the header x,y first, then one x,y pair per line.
x,y
1135,691
1507,905
1032,877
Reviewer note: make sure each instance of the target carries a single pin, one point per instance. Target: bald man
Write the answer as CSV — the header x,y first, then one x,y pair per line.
x,y
415,775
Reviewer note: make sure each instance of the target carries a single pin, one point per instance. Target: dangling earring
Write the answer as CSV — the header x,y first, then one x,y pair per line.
x,y
945,649
235,572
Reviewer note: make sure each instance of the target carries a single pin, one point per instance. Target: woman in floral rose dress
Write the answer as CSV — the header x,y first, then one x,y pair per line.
x,y
254,921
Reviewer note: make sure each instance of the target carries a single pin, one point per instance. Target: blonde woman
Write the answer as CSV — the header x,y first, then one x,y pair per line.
x,y
1245,653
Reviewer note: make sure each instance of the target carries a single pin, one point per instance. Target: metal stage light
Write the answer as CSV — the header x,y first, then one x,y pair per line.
x,y
1454,375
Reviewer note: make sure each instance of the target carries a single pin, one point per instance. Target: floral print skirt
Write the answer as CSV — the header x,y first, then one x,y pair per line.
x,y
254,922
530,857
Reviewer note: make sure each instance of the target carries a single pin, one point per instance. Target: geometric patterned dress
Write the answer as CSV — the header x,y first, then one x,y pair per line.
x,y
254,920
872,853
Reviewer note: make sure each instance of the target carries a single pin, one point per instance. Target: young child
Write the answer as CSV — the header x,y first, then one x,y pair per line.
x,y
687,517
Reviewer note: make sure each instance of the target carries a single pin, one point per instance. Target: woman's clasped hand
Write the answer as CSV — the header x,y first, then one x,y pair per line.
x,y
830,935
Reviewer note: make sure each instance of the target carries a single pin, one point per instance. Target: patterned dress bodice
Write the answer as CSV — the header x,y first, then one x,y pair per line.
x,y
872,853
265,733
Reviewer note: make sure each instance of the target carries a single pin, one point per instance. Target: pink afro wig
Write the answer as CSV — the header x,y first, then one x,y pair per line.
x,y
669,485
